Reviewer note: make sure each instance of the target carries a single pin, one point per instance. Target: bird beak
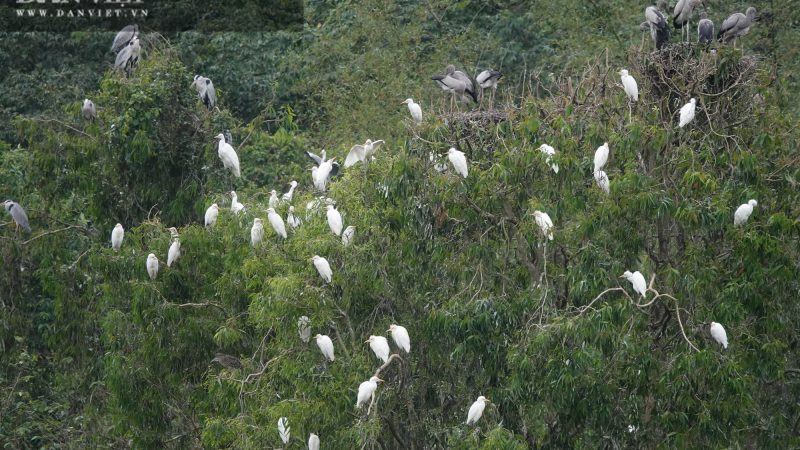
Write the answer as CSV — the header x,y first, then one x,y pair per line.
x,y
366,342
622,276
380,380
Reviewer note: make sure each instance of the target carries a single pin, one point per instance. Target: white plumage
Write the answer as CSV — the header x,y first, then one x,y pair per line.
x,y
545,223
287,197
687,113
637,280
549,151
365,391
174,252
459,161
323,267
415,110
325,345
400,337
284,430
743,212
211,215
277,222
236,207
313,442
334,220
304,328
228,156
152,266
292,220
320,174
629,84
718,333
361,153
347,235
476,410
256,232
117,235
379,346
88,109
273,199
600,157
602,181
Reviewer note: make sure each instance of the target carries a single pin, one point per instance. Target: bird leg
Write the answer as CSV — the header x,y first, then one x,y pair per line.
x,y
630,112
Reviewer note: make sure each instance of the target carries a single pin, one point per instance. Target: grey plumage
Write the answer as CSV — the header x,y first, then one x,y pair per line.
x,y
683,12
456,82
736,25
488,78
88,110
205,89
128,57
227,361
124,37
705,29
18,214
657,22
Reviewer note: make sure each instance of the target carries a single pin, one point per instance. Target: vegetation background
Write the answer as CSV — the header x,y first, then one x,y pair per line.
x,y
95,355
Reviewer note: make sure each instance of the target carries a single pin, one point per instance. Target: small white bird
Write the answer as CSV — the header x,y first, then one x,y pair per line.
x,y
400,337
687,113
292,220
602,181
347,235
236,207
88,110
152,266
325,345
718,333
287,197
273,199
277,223
174,251
629,84
476,410
323,268
637,280
459,161
228,156
414,109
284,430
743,212
549,151
211,215
362,153
334,220
545,223
313,442
256,232
366,389
380,346
600,157
321,174
117,235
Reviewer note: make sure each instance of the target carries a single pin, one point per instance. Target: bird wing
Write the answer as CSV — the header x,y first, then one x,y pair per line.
x,y
314,157
482,77
357,153
211,94
122,57
375,146
19,216
705,30
730,23
123,37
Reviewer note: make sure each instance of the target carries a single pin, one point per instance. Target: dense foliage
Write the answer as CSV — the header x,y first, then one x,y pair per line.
x,y
96,354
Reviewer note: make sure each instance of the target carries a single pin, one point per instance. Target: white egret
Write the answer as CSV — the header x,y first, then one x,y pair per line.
x,y
718,333
545,223
334,220
273,199
287,197
476,410
292,220
152,266
205,89
602,181
459,161
600,157
705,29
736,25
415,110
366,389
174,251
361,153
124,37
117,235
88,110
228,156
743,212
20,217
236,207
400,337
629,84
347,235
637,280
304,328
323,267
321,175
380,346
211,215
549,151
277,222
325,345
313,442
256,232
284,430
687,113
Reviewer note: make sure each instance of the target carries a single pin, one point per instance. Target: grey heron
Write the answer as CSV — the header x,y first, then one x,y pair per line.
x,y
657,23
128,57
18,214
124,37
205,89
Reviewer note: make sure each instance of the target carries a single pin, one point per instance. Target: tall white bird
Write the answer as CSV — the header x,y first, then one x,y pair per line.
x,y
273,199
174,251
292,219
228,156
19,215
602,181
362,153
117,235
459,161
718,333
334,220
365,391
549,151
322,173
743,212
476,410
325,346
205,89
600,157
629,84
211,215
400,337
256,232
236,207
545,223
323,268
415,110
313,442
152,266
277,222
380,346
347,235
88,110
687,113
287,197
637,280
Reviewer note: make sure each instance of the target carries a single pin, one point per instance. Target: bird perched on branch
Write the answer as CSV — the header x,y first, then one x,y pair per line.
x,y
152,266
400,337
705,29
414,109
657,23
637,280
124,37
228,156
457,83
128,57
459,161
227,361
325,345
18,214
718,333
174,251
682,14
743,212
88,110
117,235
687,113
205,90
488,79
365,391
362,153
476,410
211,215
736,25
